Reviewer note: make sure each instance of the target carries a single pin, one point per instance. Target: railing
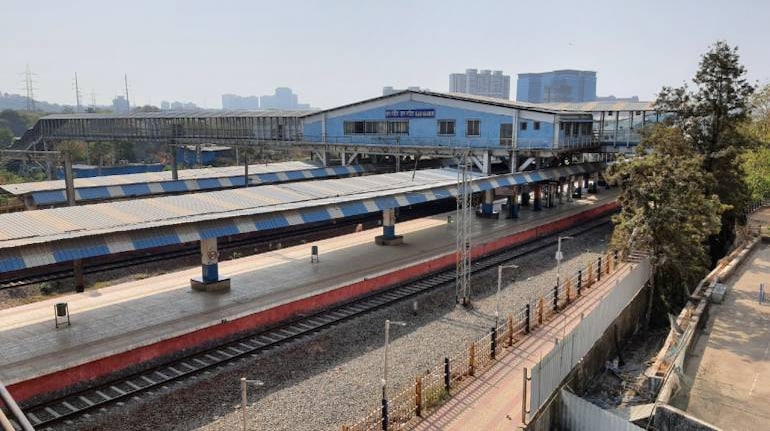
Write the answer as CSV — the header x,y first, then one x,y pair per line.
x,y
432,389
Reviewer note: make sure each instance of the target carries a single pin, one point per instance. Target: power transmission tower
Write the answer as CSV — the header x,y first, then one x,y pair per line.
x,y
29,87
77,94
93,100
463,226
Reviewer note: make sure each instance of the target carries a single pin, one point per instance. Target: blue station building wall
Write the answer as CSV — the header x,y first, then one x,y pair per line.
x,y
425,131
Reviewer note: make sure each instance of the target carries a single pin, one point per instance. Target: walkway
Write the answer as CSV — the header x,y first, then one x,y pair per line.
x,y
493,400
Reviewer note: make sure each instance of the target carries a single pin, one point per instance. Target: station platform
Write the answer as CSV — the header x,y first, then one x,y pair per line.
x,y
117,328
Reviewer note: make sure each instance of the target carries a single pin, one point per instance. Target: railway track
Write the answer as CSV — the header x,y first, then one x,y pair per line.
x,y
99,398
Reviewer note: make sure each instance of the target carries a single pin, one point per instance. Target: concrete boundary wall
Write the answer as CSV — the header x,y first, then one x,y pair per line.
x,y
74,378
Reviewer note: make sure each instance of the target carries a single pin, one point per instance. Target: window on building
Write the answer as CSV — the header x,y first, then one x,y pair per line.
x,y
523,125
473,128
536,125
398,127
354,127
446,127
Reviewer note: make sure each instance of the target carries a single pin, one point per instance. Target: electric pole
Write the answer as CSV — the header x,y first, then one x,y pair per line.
x,y
128,104
77,94
29,86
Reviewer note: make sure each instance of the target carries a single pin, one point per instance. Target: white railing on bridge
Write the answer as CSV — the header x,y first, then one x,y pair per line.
x,y
554,367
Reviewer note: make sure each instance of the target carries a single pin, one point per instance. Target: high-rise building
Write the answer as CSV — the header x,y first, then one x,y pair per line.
x,y
282,99
234,102
120,105
484,83
557,86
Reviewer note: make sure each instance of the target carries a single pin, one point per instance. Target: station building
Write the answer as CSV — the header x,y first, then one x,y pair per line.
x,y
426,118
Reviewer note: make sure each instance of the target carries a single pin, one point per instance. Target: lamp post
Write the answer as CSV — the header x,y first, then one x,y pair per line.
x,y
244,395
387,341
499,285
560,256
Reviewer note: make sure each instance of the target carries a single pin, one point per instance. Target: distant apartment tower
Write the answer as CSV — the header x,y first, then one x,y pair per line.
x,y
484,83
557,86
387,91
282,99
234,102
120,105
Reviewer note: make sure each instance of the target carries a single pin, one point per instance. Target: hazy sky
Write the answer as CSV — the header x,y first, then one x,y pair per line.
x,y
333,52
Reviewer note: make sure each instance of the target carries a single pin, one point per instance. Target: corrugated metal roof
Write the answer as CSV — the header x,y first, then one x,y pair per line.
x,y
538,107
42,237
601,106
175,114
153,177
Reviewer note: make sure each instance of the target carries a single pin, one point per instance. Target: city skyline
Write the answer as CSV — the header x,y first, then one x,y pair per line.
x,y
188,66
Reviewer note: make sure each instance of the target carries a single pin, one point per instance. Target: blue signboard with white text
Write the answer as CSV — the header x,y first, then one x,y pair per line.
x,y
410,113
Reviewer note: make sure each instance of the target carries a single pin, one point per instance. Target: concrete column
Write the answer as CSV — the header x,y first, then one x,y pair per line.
x,y
69,178
174,164
579,188
585,181
538,205
570,187
210,279
389,236
488,205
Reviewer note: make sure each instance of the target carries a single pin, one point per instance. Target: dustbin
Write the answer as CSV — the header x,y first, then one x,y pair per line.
x,y
61,309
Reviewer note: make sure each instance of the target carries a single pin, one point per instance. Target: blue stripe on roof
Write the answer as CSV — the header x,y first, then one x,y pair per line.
x,y
353,208
91,193
79,251
208,183
535,176
11,263
295,175
49,197
149,240
223,228
386,202
442,193
315,215
274,221
269,177
236,181
136,189
173,186
416,198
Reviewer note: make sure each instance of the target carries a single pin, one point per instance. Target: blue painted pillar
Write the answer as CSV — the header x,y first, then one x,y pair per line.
x,y
209,260
538,205
524,196
389,223
487,206
513,203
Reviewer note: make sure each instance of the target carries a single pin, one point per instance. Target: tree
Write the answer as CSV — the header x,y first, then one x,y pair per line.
x,y
6,137
756,162
711,117
664,210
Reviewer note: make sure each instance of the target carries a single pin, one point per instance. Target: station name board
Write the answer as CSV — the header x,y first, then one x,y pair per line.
x,y
410,113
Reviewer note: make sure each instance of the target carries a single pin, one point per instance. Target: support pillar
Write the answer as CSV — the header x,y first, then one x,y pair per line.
x,y
69,178
77,270
174,164
525,196
513,205
389,236
585,181
538,205
488,205
561,190
210,281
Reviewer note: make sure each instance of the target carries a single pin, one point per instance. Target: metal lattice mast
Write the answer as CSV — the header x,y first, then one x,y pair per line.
x,y
463,237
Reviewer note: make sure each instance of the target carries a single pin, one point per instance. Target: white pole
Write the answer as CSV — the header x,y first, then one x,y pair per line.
x,y
497,296
385,370
243,400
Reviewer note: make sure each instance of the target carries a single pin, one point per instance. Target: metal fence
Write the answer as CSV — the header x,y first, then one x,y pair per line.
x,y
553,368
577,414
433,388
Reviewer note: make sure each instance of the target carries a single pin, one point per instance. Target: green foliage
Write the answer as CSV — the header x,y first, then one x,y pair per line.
x,y
712,117
6,136
665,211
756,162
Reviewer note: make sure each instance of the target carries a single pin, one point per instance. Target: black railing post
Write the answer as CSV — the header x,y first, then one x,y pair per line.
x,y
526,319
556,298
494,342
599,270
579,281
447,376
384,414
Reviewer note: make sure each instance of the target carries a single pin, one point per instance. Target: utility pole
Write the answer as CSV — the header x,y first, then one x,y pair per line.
x,y
128,104
93,100
77,94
